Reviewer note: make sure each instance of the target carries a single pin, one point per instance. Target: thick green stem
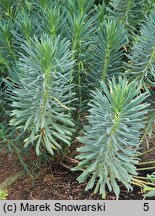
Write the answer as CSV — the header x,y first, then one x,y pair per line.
x,y
129,6
113,129
80,68
76,44
106,62
45,91
73,58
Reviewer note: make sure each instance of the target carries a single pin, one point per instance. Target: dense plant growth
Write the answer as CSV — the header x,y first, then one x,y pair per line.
x,y
112,138
64,59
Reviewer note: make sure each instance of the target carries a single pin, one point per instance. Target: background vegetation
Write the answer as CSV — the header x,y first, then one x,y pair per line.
x,y
64,61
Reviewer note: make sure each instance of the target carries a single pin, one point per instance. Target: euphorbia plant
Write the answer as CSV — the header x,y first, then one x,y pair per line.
x,y
112,138
41,100
53,53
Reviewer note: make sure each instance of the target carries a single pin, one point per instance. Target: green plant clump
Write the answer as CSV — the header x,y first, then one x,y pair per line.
x,y
3,194
112,138
63,59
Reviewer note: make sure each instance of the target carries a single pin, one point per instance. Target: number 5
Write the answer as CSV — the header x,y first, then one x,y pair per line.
x,y
146,207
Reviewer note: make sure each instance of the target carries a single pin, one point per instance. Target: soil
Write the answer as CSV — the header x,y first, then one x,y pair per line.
x,y
54,182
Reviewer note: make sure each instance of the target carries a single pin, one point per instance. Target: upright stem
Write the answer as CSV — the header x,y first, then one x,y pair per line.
x,y
127,11
106,62
77,78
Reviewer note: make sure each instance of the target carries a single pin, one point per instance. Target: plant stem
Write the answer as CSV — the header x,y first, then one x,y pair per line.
x,y
146,162
146,168
140,177
10,180
126,17
142,183
73,160
18,153
21,160
146,152
106,62
79,83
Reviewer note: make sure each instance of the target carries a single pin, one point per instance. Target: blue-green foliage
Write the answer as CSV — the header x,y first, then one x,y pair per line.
x,y
112,138
41,103
130,13
142,58
107,51
53,51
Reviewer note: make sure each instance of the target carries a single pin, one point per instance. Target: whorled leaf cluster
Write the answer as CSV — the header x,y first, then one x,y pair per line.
x,y
41,103
112,138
